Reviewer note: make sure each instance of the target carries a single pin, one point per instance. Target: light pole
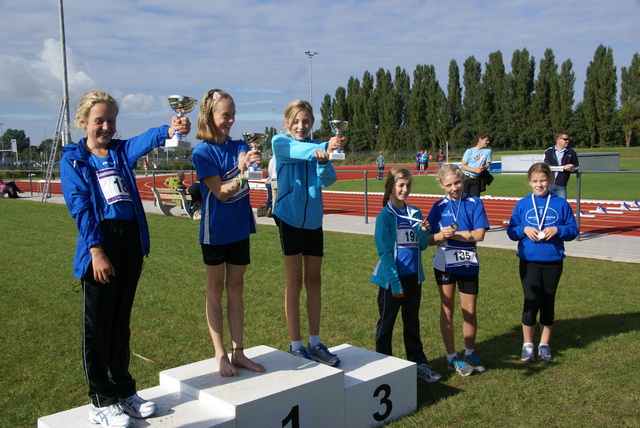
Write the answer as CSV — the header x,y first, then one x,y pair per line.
x,y
311,55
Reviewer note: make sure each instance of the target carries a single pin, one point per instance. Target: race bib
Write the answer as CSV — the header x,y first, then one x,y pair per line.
x,y
406,237
457,257
113,186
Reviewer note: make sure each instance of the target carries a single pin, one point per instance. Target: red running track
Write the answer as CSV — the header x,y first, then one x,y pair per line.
x,y
498,210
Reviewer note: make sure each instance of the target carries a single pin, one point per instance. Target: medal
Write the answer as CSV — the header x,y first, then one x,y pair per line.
x,y
424,228
539,219
455,225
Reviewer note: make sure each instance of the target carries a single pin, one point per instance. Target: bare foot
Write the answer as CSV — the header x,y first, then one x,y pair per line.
x,y
240,360
225,367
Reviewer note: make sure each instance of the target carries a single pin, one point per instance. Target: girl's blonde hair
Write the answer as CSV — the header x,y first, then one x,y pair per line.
x,y
292,110
395,174
207,130
540,167
447,170
88,100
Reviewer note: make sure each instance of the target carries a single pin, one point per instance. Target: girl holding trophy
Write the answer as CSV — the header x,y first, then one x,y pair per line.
x,y
401,235
303,169
113,237
457,222
225,225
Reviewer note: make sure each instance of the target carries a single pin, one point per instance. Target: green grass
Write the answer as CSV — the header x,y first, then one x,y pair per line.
x,y
596,339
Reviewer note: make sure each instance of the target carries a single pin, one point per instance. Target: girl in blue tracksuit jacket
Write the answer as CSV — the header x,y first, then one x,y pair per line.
x,y
100,191
401,235
540,222
303,169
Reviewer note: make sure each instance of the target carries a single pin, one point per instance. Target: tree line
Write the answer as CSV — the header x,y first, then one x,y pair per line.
x,y
397,111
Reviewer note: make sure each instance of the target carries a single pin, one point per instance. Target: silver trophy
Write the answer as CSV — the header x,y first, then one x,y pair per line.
x,y
338,126
254,140
181,105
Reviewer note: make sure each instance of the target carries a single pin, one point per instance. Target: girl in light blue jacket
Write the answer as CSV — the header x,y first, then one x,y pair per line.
x,y
303,168
401,235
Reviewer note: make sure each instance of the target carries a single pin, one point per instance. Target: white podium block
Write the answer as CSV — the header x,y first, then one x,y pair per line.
x,y
175,409
378,388
293,392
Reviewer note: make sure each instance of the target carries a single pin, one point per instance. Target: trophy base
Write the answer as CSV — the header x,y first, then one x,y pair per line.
x,y
177,142
253,175
336,156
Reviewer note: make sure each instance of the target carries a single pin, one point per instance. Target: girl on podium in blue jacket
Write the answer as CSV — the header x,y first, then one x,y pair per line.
x,y
226,222
541,222
458,221
303,168
401,235
100,191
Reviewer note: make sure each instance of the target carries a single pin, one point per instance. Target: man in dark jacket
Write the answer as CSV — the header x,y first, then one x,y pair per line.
x,y
563,160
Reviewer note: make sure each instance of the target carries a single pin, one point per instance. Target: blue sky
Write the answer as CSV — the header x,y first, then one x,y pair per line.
x,y
142,51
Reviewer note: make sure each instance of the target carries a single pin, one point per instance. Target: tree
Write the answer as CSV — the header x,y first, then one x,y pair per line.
x,y
470,102
454,99
22,141
520,84
629,112
600,98
563,110
546,89
493,100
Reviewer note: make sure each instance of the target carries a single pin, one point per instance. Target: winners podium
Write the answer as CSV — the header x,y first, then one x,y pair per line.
x,y
367,389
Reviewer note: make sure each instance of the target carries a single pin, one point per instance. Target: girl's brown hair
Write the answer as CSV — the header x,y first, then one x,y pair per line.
x,y
396,173
540,167
206,128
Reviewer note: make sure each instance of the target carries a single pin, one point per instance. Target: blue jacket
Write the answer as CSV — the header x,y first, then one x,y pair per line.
x,y
80,189
559,214
385,273
300,178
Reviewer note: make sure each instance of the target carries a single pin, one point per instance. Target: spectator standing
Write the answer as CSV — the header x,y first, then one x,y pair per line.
x,y
563,160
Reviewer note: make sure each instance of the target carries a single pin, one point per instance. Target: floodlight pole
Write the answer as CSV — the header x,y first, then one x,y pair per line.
x,y
311,55
66,134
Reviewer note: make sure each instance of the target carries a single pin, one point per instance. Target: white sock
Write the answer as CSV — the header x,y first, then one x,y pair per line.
x,y
468,351
296,344
526,344
450,357
314,340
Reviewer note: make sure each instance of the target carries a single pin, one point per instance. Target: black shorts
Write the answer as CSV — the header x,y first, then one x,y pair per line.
x,y
235,253
309,242
467,284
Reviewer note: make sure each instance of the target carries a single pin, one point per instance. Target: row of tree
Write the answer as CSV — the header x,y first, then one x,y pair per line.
x,y
519,110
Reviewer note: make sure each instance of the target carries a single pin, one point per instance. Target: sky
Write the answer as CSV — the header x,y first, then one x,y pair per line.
x,y
142,51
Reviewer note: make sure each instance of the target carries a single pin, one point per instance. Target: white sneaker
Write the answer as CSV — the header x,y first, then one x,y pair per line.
x,y
109,416
138,407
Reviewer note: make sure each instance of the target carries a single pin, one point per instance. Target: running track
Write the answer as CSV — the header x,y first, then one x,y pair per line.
x,y
498,209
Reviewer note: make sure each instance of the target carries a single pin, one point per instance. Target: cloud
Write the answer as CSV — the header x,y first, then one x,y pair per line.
x,y
139,103
40,80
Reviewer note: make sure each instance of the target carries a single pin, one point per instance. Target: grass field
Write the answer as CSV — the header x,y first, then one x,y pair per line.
x,y
592,380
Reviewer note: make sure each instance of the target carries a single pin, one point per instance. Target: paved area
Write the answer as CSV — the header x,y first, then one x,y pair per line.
x,y
595,246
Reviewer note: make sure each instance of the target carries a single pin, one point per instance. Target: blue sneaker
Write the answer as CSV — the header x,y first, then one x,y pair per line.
x,y
460,367
300,352
527,353
321,354
544,353
474,361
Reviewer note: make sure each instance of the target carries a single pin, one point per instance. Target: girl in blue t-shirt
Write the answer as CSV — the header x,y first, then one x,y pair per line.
x,y
401,235
225,224
457,222
540,222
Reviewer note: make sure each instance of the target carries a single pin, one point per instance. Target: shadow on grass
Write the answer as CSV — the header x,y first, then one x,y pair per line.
x,y
568,334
